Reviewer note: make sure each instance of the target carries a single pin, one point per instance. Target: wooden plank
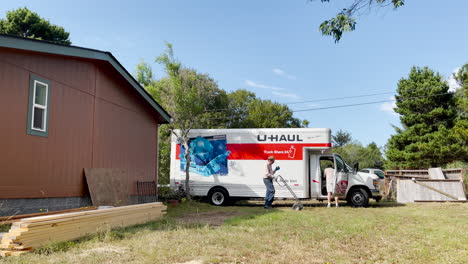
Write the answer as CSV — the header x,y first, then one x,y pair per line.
x,y
108,186
111,222
115,209
437,180
9,219
77,233
26,224
436,190
440,201
74,224
38,231
436,173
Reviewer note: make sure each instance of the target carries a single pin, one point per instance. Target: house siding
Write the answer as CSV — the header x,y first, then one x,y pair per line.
x,y
96,120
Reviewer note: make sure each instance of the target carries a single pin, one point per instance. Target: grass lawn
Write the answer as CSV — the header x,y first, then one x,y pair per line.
x,y
246,233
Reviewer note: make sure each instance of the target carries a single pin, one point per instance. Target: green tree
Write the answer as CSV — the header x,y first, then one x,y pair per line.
x,y
190,97
341,138
427,115
461,94
248,111
345,20
25,23
460,128
144,74
368,157
185,96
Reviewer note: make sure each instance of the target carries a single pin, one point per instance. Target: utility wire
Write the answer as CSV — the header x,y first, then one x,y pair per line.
x,y
324,99
337,106
340,98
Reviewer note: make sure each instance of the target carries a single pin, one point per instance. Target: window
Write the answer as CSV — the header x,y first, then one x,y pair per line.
x,y
380,174
39,97
339,164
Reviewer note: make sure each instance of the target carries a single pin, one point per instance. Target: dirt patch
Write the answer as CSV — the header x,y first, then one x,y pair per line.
x,y
208,218
192,262
104,250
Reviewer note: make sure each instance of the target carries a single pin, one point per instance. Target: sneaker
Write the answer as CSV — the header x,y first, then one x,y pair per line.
x,y
329,205
336,205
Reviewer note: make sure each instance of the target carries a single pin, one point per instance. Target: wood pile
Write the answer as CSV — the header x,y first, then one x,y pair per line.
x,y
15,218
34,232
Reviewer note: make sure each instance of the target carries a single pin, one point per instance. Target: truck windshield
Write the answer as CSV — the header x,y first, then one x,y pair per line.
x,y
380,174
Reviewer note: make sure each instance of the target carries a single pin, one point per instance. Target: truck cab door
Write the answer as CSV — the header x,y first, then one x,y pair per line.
x,y
341,175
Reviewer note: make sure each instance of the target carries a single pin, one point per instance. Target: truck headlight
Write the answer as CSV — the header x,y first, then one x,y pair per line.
x,y
376,183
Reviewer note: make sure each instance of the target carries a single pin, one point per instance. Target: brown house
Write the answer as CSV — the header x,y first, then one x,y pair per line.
x,y
63,109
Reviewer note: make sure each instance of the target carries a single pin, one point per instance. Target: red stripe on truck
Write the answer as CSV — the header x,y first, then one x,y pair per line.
x,y
254,151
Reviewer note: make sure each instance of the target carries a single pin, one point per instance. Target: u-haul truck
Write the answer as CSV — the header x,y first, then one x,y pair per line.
x,y
229,164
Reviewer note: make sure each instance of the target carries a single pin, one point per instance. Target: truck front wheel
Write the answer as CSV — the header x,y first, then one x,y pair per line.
x,y
358,198
218,196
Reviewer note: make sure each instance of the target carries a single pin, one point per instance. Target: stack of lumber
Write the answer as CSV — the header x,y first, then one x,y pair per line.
x,y
34,232
15,218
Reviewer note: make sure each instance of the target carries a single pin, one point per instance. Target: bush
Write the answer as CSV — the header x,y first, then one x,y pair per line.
x,y
166,193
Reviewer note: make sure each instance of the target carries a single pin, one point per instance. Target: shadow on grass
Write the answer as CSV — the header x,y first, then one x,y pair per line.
x,y
313,204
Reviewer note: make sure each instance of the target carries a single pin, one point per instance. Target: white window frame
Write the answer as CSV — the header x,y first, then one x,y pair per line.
x,y
44,107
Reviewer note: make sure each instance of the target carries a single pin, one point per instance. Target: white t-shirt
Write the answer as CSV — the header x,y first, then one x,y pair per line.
x,y
329,174
268,171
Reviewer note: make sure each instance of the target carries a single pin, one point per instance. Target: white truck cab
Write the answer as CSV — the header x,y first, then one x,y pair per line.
x,y
229,164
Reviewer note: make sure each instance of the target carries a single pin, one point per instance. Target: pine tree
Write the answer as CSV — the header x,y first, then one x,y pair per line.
x,y
427,115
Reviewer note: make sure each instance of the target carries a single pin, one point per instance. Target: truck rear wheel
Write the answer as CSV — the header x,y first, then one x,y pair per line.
x,y
218,197
358,198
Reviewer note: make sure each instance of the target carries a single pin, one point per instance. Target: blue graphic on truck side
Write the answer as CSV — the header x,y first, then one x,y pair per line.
x,y
208,155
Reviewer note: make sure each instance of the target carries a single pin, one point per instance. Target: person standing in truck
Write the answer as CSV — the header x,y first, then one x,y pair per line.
x,y
268,181
330,177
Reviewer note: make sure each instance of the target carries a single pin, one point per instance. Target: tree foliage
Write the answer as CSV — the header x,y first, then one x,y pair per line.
x,y
341,138
25,23
353,151
248,111
427,114
185,94
368,157
345,20
461,94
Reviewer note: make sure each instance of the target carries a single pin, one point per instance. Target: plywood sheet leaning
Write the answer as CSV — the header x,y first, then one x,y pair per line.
x,y
409,191
436,174
34,232
108,186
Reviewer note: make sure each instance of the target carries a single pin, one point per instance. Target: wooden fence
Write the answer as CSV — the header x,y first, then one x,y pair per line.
x,y
392,177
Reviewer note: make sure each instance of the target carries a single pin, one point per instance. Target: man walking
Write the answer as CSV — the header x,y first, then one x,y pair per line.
x,y
268,181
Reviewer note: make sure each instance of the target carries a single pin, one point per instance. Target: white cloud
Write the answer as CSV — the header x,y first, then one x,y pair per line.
x,y
388,106
451,81
287,95
262,86
282,73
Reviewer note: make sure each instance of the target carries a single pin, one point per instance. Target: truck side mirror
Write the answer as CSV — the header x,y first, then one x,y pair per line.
x,y
356,167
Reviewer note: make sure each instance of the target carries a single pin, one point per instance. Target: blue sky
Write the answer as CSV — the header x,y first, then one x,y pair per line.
x,y
274,48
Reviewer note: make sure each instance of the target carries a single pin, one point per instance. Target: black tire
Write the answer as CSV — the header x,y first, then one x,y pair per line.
x,y
218,196
358,198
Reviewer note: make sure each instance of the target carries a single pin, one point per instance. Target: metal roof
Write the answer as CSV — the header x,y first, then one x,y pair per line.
x,y
21,43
